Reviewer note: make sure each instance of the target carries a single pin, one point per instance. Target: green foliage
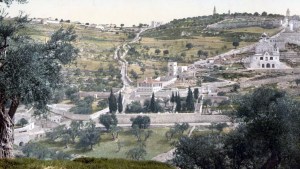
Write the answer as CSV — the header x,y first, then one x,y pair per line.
x,y
102,104
74,130
235,87
157,51
142,122
120,103
22,122
190,104
108,120
82,163
189,46
56,133
89,136
134,107
112,102
35,66
166,52
177,130
297,81
196,93
83,106
202,54
134,74
137,153
267,137
172,98
71,93
37,150
178,103
221,93
58,96
200,152
235,44
153,106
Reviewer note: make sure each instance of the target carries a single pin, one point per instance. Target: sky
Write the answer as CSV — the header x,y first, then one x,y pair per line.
x,y
131,12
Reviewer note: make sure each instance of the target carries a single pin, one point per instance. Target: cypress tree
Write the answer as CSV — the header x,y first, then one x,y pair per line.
x,y
196,93
178,103
152,106
172,98
112,102
190,105
120,103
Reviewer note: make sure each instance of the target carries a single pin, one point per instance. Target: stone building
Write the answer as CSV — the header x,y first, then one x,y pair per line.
x,y
267,56
175,70
172,68
149,85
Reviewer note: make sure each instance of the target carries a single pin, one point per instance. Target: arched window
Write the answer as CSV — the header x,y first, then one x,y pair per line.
x,y
268,65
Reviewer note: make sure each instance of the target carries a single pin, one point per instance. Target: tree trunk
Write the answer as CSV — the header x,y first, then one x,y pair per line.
x,y
6,136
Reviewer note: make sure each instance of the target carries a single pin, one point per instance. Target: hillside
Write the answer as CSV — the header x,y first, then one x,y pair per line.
x,y
169,42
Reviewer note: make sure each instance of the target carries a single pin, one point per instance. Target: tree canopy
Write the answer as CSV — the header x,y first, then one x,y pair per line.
x,y
267,136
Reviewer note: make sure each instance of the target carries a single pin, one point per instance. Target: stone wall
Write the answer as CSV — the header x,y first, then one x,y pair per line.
x,y
168,118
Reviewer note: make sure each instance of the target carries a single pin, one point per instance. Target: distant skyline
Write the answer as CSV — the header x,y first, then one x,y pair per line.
x,y
131,12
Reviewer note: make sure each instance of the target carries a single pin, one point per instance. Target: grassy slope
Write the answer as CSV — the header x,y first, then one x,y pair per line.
x,y
97,48
84,163
107,148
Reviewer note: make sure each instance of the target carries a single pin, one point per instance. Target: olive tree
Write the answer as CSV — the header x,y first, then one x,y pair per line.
x,y
29,72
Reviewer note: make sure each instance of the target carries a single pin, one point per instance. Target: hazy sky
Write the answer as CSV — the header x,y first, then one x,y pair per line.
x,y
132,12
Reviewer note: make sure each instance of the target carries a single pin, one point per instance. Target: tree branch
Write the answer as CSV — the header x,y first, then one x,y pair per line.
x,y
13,107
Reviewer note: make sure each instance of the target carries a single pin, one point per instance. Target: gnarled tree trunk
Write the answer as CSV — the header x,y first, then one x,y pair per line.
x,y
6,135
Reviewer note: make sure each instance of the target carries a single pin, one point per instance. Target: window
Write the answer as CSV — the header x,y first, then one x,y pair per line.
x,y
273,66
271,58
263,65
261,58
268,65
266,58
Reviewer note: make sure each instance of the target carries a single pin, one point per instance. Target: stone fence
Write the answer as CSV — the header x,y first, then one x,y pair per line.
x,y
167,118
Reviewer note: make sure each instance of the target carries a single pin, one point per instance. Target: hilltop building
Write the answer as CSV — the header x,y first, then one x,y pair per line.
x,y
175,70
155,24
267,56
288,13
215,11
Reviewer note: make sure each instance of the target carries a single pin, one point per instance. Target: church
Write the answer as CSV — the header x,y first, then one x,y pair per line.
x,y
267,56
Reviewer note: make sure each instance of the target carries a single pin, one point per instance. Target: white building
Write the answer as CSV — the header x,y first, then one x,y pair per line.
x,y
155,24
267,56
175,70
172,68
149,85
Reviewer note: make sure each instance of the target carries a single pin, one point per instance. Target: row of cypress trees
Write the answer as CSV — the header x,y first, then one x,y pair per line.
x,y
190,100
115,104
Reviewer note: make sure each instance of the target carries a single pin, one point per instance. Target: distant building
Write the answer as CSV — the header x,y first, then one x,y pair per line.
x,y
175,70
149,85
155,24
172,68
215,11
267,56
288,13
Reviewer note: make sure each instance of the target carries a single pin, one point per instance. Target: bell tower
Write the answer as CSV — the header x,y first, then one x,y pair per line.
x,y
215,11
288,13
